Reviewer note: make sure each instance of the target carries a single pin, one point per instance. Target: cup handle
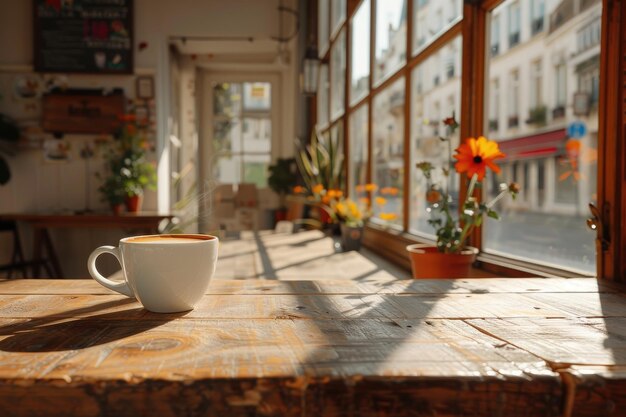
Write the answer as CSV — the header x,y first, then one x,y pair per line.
x,y
121,287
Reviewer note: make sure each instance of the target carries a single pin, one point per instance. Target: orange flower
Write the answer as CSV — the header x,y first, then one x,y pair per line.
x,y
364,201
360,188
131,130
381,201
371,187
317,189
298,189
475,155
389,191
127,117
335,193
388,216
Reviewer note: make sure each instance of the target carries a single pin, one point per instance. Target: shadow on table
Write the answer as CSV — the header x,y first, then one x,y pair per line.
x,y
60,332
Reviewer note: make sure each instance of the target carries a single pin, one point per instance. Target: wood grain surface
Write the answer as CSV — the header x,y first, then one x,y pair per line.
x,y
471,347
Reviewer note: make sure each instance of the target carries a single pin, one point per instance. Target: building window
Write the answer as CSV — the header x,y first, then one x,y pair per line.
x,y
494,105
536,111
495,36
537,13
560,86
513,105
514,24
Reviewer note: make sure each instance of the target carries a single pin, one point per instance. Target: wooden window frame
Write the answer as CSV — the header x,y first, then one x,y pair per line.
x,y
611,263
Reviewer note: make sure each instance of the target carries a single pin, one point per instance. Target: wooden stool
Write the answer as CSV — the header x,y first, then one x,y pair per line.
x,y
17,258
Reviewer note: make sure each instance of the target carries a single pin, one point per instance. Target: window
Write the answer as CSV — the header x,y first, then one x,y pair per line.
x,y
495,36
556,173
337,14
323,26
560,85
433,18
494,105
390,38
323,90
388,149
514,24
537,12
513,95
358,148
431,104
242,132
360,63
338,76
536,111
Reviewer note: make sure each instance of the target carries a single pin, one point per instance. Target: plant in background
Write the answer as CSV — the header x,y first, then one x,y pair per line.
x,y
129,172
473,157
321,163
283,177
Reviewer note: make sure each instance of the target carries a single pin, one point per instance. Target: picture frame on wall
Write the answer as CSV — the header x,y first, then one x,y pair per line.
x,y
144,88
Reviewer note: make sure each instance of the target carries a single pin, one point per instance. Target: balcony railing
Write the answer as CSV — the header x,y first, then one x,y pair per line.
x,y
558,112
537,116
513,121
513,39
493,125
563,13
495,49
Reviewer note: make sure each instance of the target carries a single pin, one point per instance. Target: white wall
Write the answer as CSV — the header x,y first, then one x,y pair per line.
x,y
39,187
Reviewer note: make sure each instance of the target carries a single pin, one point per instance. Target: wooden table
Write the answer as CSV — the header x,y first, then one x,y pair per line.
x,y
134,223
471,347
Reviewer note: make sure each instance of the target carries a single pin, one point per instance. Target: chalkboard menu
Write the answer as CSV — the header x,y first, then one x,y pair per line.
x,y
85,36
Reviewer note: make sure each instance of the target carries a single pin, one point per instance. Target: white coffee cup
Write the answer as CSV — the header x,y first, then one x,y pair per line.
x,y
166,273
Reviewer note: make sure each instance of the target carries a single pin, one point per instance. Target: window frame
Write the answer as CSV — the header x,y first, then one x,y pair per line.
x,y
473,28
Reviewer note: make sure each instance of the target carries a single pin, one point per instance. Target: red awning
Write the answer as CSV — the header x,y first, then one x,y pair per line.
x,y
540,145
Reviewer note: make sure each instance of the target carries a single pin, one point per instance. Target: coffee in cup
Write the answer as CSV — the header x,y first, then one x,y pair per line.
x,y
166,273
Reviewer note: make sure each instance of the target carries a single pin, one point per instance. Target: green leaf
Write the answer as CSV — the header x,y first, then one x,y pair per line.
x,y
493,215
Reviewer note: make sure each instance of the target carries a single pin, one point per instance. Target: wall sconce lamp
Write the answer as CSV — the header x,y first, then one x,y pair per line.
x,y
310,70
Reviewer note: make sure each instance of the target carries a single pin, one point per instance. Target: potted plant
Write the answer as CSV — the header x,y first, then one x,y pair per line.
x,y
9,135
130,173
451,258
112,191
321,166
282,179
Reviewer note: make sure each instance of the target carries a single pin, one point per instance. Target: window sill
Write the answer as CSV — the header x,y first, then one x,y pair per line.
x,y
391,245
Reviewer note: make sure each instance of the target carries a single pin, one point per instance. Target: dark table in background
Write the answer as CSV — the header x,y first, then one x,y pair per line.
x,y
133,223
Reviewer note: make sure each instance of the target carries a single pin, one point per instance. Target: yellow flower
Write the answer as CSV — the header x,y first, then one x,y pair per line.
x,y
381,201
341,209
388,216
354,210
317,189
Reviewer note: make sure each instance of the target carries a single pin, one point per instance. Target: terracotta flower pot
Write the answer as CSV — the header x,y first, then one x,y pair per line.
x,y
117,209
133,203
428,262
351,238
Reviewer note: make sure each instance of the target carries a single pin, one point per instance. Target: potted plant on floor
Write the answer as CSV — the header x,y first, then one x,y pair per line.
x,y
451,258
282,179
128,167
